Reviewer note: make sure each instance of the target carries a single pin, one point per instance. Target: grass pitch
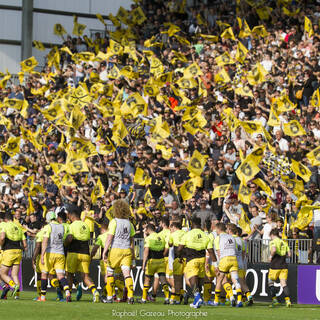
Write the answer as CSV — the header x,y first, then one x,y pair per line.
x,y
27,309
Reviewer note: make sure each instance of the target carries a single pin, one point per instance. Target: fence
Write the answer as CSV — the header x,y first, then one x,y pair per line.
x,y
258,250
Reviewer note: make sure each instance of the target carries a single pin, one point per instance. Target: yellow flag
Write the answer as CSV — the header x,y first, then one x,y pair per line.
x,y
208,37
315,99
300,170
257,74
12,146
224,59
59,30
100,18
308,26
192,71
243,91
141,177
241,52
283,104
264,12
232,121
188,189
30,208
195,124
314,156
304,218
182,40
244,193
38,45
114,20
186,83
76,118
228,34
14,170
147,198
166,152
284,230
76,166
138,16
220,191
36,190
68,181
247,170
115,47
28,64
114,73
244,30
262,184
274,120
156,66
197,163
97,192
244,222
293,129
78,28
251,126
222,76
29,183
259,31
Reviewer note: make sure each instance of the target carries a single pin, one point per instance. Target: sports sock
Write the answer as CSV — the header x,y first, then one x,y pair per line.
x,y
110,286
39,287
206,292
166,291
44,283
239,295
217,295
129,286
286,291
273,292
145,292
227,287
11,283
177,297
64,284
93,288
248,294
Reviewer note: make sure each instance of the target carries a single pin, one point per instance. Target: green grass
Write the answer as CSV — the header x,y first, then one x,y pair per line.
x,y
26,309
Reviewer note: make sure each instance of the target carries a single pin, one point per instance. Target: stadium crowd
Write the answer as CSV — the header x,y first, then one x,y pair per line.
x,y
209,112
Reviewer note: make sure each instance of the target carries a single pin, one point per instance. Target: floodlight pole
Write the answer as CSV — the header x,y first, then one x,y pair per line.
x,y
26,29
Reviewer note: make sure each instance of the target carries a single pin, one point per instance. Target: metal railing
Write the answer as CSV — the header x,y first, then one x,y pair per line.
x,y
258,250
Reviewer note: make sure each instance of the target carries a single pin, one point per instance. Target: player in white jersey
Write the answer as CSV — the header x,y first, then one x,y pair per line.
x,y
225,246
241,257
121,245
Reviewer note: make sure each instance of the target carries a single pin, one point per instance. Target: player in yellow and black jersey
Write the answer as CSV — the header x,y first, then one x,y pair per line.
x,y
154,262
195,243
11,238
279,250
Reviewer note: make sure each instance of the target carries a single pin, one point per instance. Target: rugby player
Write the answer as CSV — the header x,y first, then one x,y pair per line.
x,y
154,262
119,248
78,256
279,250
225,246
53,257
11,238
195,243
178,264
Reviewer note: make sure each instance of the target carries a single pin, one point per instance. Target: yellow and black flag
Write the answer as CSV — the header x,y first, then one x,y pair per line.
x,y
59,30
314,156
293,129
28,64
197,163
38,45
78,28
308,28
188,189
97,192
301,170
220,191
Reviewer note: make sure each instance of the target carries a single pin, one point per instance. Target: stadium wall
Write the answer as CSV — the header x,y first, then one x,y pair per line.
x,y
46,13
303,280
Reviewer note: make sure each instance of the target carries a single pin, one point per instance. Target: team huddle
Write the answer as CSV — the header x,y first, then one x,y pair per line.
x,y
170,256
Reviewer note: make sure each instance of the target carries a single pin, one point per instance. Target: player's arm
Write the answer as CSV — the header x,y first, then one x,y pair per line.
x,y
107,245
36,252
145,257
2,238
212,255
180,250
44,248
68,240
273,251
24,245
94,251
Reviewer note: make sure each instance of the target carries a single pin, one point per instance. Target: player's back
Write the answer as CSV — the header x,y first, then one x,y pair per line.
x,y
56,237
14,235
227,245
81,236
196,242
122,230
156,244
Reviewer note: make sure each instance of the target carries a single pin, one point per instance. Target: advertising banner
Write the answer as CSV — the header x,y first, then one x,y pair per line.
x,y
309,284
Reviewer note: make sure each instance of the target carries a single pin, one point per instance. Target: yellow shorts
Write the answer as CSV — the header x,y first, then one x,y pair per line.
x,y
228,264
54,263
119,257
77,262
155,266
211,273
39,265
178,267
275,274
195,267
11,257
242,273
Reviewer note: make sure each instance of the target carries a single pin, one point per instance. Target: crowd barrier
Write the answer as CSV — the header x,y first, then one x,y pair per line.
x,y
258,250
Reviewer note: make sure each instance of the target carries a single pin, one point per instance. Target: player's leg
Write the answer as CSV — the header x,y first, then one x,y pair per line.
x,y
110,283
146,286
15,276
176,289
272,277
155,286
244,287
235,281
165,287
5,288
283,282
219,283
128,282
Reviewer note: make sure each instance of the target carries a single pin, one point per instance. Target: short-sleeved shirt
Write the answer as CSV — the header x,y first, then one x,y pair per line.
x,y
14,235
81,236
175,239
101,240
196,242
156,244
39,235
226,244
279,259
122,230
